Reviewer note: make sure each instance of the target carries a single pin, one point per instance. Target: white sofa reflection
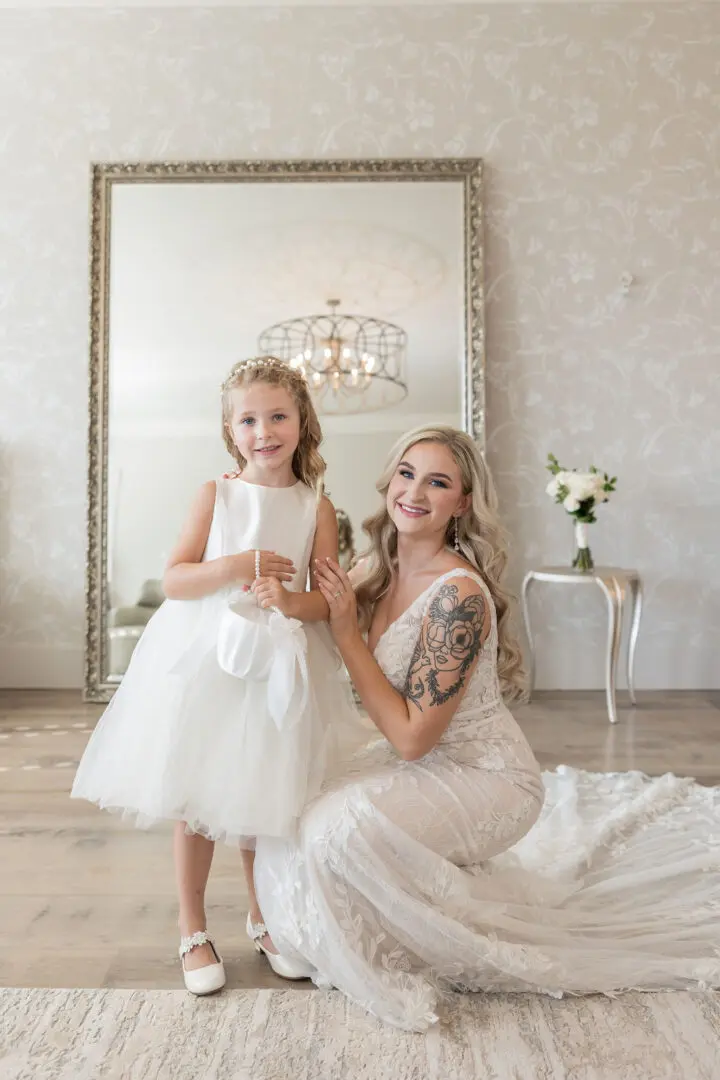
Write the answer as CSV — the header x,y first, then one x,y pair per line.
x,y
126,625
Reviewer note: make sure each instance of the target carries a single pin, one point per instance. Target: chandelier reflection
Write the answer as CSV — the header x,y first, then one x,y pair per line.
x,y
352,363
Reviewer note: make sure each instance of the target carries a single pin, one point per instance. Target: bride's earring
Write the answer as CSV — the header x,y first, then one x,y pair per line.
x,y
457,536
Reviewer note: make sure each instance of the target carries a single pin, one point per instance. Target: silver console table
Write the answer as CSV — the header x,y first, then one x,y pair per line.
x,y
617,585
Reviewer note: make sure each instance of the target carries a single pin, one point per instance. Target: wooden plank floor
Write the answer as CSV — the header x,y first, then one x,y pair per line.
x,y
88,901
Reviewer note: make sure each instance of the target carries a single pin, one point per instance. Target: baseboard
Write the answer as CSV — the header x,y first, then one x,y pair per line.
x,y
40,667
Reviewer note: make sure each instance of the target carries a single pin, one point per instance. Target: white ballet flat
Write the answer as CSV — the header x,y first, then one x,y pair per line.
x,y
205,980
286,969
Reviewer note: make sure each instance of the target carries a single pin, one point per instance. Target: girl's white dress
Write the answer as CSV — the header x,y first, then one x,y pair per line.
x,y
183,739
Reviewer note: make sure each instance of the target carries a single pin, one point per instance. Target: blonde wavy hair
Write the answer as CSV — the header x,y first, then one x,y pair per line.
x,y
483,543
308,464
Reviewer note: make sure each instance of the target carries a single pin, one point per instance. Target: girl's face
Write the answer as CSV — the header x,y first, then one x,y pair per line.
x,y
265,426
426,491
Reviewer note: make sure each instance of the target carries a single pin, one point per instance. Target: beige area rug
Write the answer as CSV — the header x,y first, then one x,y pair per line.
x,y
296,1035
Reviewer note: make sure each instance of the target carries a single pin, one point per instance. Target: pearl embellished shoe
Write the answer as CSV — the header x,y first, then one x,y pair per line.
x,y
204,980
286,969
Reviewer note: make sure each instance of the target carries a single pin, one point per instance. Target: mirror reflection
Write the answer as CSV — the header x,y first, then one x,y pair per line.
x,y
359,284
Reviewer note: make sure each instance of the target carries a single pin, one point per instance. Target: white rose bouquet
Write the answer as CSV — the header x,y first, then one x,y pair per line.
x,y
579,493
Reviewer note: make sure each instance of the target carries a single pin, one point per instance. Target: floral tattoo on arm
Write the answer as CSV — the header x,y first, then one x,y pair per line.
x,y
449,643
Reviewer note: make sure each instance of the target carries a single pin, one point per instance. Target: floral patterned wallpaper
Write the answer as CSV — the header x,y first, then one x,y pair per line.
x,y
599,126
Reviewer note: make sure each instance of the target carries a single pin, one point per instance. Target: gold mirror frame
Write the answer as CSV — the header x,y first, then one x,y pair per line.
x,y
466,171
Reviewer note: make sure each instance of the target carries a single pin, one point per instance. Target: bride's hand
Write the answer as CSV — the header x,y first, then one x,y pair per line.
x,y
334,584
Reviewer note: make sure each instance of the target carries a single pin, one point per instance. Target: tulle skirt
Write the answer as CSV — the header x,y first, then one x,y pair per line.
x,y
184,740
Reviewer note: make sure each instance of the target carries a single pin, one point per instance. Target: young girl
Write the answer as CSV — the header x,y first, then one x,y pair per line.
x,y
197,732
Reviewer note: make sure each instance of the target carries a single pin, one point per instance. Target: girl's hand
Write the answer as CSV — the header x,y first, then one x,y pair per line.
x,y
242,567
335,586
271,593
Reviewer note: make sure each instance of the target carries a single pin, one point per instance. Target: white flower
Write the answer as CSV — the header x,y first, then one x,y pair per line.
x,y
582,485
596,483
577,484
575,489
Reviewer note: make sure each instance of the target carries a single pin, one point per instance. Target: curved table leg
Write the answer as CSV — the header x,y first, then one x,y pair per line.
x,y
527,582
614,596
637,604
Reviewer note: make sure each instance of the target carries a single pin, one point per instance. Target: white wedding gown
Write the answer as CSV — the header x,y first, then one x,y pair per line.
x,y
404,883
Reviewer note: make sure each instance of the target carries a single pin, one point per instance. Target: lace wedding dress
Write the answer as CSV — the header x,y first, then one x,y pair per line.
x,y
409,880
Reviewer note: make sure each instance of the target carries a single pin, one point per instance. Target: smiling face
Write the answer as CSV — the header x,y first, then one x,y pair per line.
x,y
265,427
426,492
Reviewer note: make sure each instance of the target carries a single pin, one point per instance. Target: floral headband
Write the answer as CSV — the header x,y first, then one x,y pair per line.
x,y
269,363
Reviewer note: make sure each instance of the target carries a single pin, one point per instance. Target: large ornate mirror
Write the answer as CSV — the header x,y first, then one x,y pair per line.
x,y
368,273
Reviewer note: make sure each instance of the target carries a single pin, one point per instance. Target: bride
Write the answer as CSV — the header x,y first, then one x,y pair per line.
x,y
442,860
